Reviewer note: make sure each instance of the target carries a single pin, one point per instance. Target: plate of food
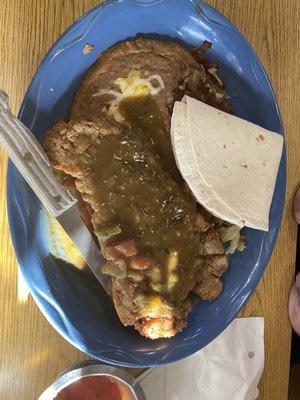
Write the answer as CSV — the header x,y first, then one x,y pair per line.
x,y
161,121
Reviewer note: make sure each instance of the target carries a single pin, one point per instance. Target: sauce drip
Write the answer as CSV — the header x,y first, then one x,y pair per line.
x,y
143,113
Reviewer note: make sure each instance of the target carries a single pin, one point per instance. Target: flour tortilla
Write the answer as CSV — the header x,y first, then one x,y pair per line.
x,y
237,160
184,158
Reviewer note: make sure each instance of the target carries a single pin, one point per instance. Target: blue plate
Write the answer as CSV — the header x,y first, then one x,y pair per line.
x,y
73,302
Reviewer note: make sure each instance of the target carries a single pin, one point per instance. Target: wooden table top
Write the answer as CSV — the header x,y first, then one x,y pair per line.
x,y
32,352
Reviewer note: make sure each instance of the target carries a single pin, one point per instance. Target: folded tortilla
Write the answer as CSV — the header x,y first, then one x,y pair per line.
x,y
230,164
183,152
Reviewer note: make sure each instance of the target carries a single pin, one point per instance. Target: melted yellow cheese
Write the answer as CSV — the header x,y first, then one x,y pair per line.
x,y
132,86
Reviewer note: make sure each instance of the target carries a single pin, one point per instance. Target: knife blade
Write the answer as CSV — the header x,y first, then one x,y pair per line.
x,y
74,226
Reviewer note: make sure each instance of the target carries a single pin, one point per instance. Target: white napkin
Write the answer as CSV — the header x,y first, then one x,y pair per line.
x,y
230,367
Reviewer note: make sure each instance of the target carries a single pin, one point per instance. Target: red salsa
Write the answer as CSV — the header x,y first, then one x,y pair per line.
x,y
95,388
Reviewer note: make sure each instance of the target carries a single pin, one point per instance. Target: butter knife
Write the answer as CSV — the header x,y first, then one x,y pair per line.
x,y
28,156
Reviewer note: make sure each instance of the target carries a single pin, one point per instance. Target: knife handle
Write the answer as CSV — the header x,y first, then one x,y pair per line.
x,y
32,162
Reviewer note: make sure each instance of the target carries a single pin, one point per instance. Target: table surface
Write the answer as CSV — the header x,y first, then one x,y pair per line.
x,y
32,352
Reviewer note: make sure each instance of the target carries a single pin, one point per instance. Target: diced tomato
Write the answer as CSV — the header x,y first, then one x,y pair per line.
x,y
128,248
111,254
141,262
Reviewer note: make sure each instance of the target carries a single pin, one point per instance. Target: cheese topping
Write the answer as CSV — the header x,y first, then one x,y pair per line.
x,y
132,86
